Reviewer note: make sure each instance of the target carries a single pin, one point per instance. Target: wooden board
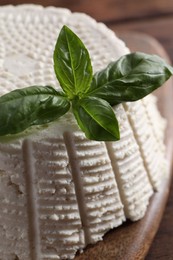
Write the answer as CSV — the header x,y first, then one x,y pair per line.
x,y
132,240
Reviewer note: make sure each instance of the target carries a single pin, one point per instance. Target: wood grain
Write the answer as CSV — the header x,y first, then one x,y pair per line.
x,y
132,240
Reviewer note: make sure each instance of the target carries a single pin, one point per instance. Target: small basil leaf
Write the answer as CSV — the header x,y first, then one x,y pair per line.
x,y
72,63
132,77
30,106
96,119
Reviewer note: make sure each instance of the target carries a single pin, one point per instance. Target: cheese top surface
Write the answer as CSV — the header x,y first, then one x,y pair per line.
x,y
58,190
28,37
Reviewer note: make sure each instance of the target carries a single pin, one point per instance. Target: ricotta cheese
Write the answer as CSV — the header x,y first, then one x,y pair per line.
x,y
58,190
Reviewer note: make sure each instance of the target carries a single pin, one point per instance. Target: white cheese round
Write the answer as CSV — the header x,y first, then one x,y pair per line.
x,y
58,190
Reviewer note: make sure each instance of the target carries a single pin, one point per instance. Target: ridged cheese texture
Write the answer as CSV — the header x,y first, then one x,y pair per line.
x,y
58,190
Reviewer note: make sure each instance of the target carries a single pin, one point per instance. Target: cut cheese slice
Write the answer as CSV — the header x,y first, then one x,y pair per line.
x,y
157,122
151,153
55,218
102,208
14,219
130,173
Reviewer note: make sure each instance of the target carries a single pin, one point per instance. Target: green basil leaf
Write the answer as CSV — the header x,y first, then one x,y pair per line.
x,y
96,119
30,106
132,77
72,63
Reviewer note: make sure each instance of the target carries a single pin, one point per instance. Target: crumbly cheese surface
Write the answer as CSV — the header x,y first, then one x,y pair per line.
x,y
58,190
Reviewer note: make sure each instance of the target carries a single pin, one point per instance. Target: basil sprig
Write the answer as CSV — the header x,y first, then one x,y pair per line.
x,y
91,97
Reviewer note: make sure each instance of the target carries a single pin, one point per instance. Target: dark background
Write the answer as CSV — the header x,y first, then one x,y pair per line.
x,y
153,17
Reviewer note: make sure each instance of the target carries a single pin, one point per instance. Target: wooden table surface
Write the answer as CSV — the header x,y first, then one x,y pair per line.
x,y
153,17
